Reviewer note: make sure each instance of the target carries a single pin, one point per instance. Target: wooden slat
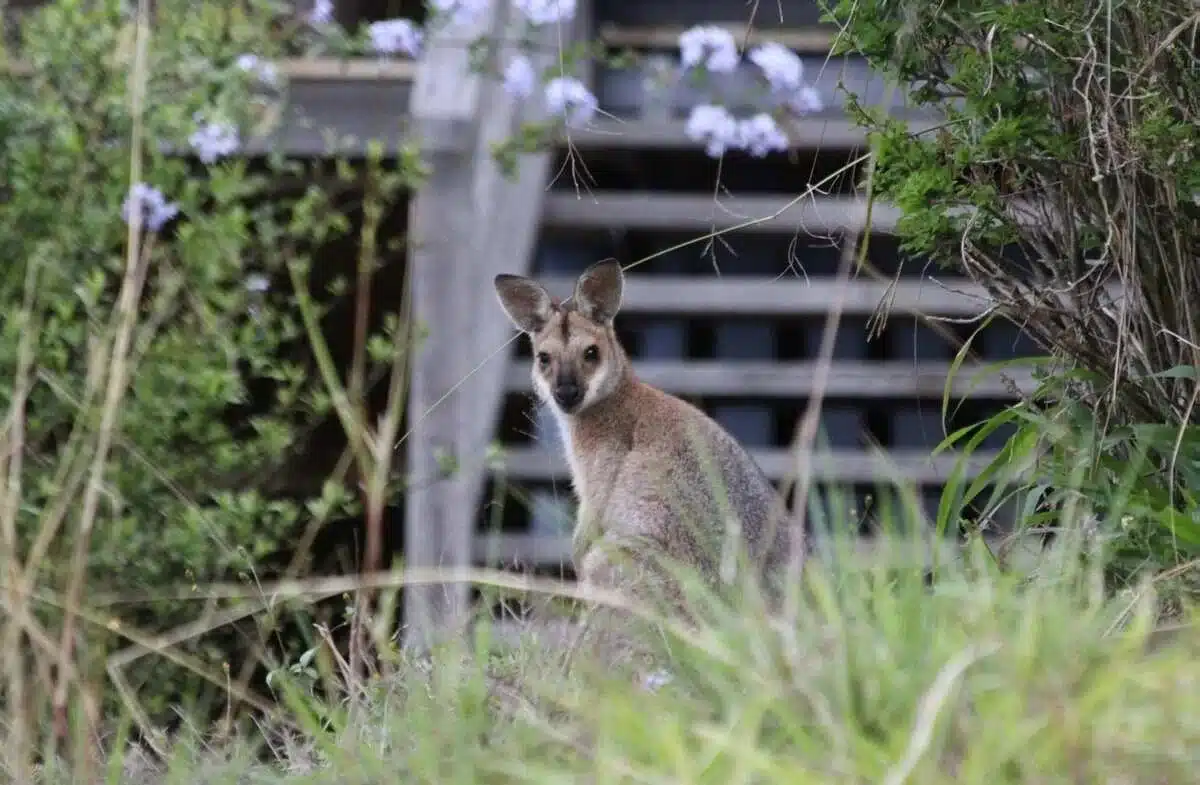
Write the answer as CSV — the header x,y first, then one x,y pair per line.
x,y
873,380
313,69
526,549
804,40
846,466
806,133
769,296
774,214
318,69
336,106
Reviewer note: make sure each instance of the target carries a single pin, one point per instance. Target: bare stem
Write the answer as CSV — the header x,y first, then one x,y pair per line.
x,y
131,288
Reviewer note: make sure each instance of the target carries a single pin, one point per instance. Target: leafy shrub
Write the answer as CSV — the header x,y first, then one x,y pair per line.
x,y
1065,162
191,338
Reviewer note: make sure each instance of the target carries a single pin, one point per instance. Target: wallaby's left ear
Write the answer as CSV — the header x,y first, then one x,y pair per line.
x,y
598,291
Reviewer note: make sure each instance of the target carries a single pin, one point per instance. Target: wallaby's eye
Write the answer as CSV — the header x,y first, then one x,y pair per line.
x,y
543,359
592,353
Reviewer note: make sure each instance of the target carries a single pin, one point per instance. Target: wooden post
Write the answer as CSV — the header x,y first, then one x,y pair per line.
x,y
468,223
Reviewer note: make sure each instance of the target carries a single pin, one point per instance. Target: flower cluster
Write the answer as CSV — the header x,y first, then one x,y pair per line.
x,y
713,49
546,12
262,70
321,13
719,131
519,77
212,141
459,12
149,203
566,97
759,135
780,65
569,98
395,36
709,47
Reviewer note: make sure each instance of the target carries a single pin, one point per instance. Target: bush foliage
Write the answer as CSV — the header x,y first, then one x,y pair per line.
x,y
195,336
1064,162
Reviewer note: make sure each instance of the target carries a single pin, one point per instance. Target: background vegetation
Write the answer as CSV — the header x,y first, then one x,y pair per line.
x,y
161,366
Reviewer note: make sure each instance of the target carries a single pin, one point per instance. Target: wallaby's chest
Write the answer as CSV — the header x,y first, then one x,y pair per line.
x,y
595,460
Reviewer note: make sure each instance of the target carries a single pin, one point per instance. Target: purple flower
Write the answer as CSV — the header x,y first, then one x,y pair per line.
x,y
212,141
395,36
151,205
459,12
806,101
257,283
780,65
715,127
261,69
519,77
545,12
709,46
656,680
760,135
569,98
321,13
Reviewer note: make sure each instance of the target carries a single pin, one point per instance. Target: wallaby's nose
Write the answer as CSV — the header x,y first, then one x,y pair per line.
x,y
567,395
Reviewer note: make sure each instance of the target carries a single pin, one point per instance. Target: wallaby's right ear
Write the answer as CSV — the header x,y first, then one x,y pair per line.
x,y
527,304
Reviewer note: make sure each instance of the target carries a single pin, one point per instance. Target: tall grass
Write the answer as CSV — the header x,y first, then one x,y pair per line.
x,y
984,676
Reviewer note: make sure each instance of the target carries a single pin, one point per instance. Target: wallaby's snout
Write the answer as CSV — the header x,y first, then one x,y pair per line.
x,y
567,392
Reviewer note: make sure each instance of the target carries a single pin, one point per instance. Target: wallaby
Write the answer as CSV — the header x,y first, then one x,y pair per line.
x,y
650,470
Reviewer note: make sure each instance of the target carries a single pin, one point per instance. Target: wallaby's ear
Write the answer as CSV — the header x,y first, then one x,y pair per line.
x,y
598,291
525,301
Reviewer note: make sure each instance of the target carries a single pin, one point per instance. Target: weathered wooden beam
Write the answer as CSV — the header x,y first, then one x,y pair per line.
x,y
624,91
445,215
847,466
873,380
481,224
315,69
803,40
336,106
774,297
775,214
675,211
807,133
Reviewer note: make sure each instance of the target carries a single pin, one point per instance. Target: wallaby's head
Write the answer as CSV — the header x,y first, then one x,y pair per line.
x,y
577,360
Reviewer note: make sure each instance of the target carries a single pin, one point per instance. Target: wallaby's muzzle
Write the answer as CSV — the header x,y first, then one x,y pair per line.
x,y
567,394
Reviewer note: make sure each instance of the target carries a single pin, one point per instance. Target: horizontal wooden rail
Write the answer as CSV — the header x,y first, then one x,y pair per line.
x,y
773,214
804,40
775,297
310,69
337,106
806,133
910,465
847,379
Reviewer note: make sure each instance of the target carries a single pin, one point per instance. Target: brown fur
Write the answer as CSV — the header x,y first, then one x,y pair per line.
x,y
653,473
